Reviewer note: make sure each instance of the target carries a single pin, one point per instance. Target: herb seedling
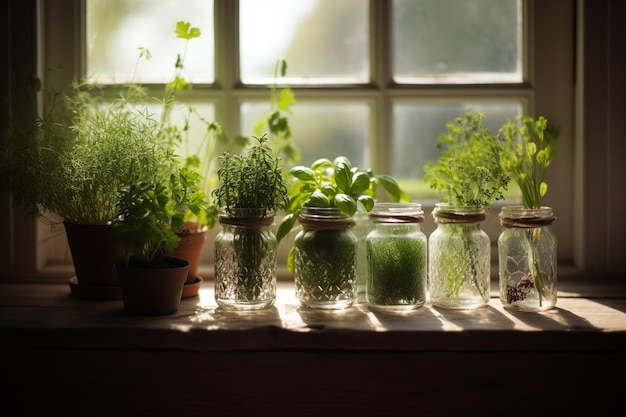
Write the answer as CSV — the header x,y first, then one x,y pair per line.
x,y
336,184
282,98
251,190
529,158
529,151
469,172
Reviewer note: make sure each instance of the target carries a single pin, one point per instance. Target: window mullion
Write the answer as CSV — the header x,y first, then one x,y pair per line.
x,y
380,69
226,21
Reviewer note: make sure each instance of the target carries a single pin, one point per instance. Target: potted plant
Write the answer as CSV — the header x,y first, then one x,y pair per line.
x,y
197,156
82,150
526,247
251,190
151,278
469,172
323,199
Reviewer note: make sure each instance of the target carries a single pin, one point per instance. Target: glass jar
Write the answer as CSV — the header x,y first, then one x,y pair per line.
x,y
527,259
363,225
459,257
245,260
325,258
396,257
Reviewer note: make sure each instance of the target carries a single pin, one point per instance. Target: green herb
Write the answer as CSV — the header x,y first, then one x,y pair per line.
x,y
334,184
251,189
528,153
337,184
144,224
397,269
200,159
470,173
469,170
282,98
251,181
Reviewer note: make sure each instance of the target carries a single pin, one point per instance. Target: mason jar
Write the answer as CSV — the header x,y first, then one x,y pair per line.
x,y
396,257
245,260
459,257
325,258
363,225
527,259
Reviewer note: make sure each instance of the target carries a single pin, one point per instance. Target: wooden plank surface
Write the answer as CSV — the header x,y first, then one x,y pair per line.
x,y
47,315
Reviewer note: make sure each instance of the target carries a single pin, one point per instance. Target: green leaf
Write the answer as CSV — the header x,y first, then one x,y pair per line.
x,y
342,160
291,259
303,173
145,53
391,186
285,226
360,183
321,163
317,199
286,98
367,202
345,204
328,189
343,176
185,31
283,67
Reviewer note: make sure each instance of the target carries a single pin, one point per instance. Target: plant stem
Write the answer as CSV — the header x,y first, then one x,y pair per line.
x,y
532,237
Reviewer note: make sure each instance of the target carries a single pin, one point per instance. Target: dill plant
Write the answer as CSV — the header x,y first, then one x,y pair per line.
x,y
470,174
469,170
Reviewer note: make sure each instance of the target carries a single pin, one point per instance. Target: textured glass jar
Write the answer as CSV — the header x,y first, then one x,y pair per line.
x,y
459,258
396,257
325,257
245,260
363,225
527,259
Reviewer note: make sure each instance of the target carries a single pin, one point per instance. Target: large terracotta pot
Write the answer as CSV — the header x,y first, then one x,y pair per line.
x,y
152,291
94,252
190,248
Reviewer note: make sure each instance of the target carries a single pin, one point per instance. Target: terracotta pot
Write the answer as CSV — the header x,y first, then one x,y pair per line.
x,y
152,291
190,248
94,252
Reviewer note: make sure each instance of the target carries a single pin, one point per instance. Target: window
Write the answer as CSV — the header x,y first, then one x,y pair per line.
x,y
375,80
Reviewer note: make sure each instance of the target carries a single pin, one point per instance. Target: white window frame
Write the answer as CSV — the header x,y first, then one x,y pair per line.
x,y
550,89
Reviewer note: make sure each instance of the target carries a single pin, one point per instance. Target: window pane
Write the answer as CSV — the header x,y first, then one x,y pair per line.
x,y
457,41
416,127
321,130
194,140
116,28
323,41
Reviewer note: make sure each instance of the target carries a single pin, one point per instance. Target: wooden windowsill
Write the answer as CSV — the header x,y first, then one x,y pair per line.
x,y
586,317
73,357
